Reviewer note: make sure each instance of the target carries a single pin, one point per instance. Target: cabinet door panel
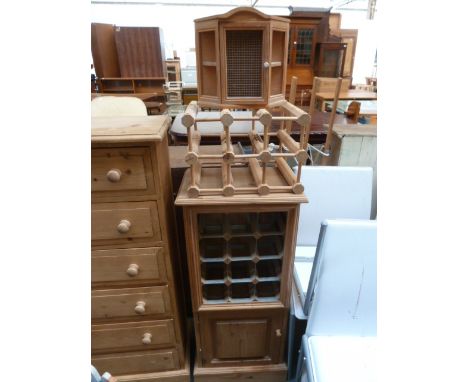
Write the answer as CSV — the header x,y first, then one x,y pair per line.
x,y
242,337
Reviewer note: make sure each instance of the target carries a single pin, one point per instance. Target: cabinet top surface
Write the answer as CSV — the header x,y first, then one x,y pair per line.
x,y
245,13
129,129
355,130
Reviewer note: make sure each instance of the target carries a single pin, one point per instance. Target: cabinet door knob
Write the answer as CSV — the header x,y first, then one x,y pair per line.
x,y
140,307
266,64
114,175
147,338
278,332
124,226
133,270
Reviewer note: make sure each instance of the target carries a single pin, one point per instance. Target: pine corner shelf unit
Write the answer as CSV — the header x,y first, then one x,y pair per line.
x,y
241,58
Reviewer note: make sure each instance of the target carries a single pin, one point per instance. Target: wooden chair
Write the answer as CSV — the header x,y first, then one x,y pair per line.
x,y
112,106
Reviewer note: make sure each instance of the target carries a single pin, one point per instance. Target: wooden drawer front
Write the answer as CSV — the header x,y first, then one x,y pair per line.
x,y
133,336
128,265
130,303
119,170
123,222
137,362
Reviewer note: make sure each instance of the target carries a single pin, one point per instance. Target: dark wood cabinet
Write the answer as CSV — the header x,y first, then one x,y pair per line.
x,y
330,59
140,51
104,51
318,47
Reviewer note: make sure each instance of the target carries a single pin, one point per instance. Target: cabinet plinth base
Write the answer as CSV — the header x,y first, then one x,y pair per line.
x,y
168,376
266,373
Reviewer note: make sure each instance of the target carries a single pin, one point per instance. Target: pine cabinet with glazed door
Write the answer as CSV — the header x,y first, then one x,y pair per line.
x,y
241,58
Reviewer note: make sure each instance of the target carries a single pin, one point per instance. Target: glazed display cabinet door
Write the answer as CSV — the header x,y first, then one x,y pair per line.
x,y
248,337
330,62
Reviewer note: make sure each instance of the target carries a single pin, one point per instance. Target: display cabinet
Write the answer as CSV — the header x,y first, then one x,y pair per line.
x,y
241,58
330,59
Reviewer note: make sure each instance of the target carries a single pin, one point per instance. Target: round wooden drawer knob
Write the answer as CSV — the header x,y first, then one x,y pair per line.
x,y
133,270
140,307
114,175
124,226
278,332
146,338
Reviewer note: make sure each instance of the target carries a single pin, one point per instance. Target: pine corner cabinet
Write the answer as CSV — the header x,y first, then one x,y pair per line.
x,y
240,256
241,58
138,325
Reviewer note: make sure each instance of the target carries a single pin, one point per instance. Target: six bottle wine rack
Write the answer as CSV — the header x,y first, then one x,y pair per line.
x,y
266,168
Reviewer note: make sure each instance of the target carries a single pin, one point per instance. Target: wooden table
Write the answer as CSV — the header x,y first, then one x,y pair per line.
x,y
354,95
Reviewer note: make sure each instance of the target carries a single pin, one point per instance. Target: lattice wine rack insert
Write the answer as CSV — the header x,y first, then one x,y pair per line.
x,y
241,256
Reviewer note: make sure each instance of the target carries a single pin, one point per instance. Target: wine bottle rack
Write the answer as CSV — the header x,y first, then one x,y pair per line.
x,y
241,256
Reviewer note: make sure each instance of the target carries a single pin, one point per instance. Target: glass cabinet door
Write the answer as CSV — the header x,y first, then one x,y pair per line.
x,y
330,62
301,45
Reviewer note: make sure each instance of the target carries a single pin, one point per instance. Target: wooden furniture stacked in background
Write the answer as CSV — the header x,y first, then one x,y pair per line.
x,y
241,58
240,214
141,51
129,60
173,70
318,47
104,51
138,329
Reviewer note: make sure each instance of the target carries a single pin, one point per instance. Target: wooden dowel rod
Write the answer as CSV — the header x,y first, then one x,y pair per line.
x,y
194,189
289,176
283,155
211,191
292,99
280,188
312,96
190,114
257,147
194,145
292,146
228,187
283,118
332,115
303,118
256,142
287,141
264,173
256,172
219,120
299,171
226,146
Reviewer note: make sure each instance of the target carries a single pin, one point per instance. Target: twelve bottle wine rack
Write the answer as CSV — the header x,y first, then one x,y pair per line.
x,y
241,256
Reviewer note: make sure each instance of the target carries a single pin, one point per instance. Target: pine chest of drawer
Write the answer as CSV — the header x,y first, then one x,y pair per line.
x,y
137,319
